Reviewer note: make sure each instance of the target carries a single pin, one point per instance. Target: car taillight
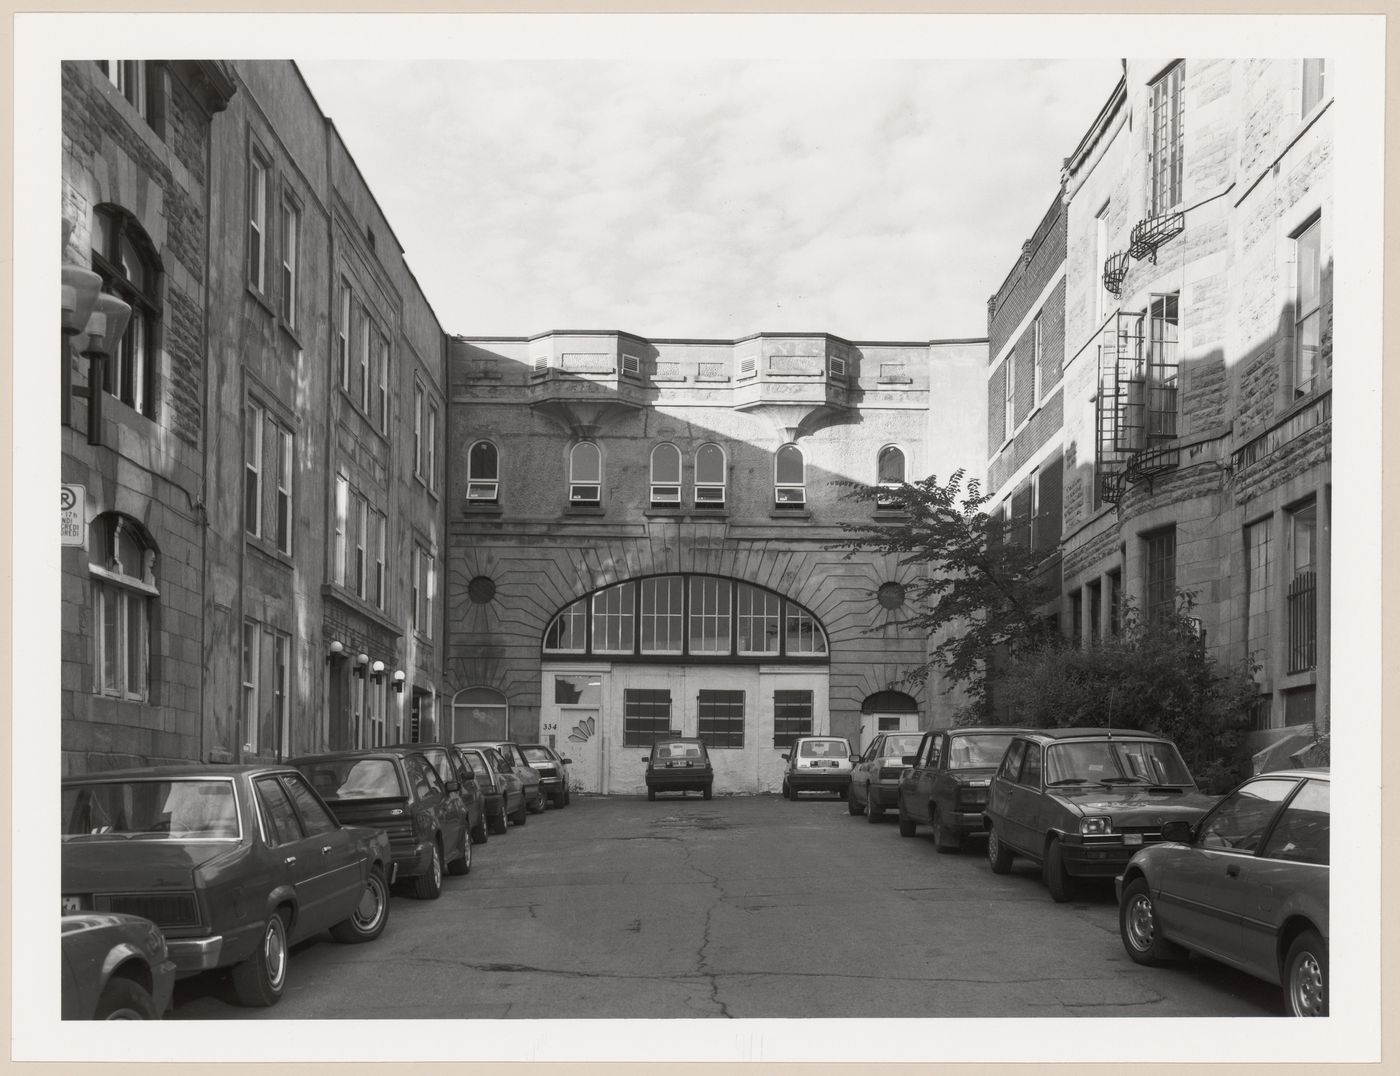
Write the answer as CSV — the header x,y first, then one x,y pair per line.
x,y
972,797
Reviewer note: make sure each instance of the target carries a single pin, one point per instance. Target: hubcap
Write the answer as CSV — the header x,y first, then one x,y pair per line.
x,y
275,953
371,901
1307,985
437,868
992,844
1142,925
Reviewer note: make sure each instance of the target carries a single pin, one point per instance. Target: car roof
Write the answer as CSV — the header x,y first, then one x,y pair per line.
x,y
191,769
958,730
825,737
1324,772
1092,734
363,752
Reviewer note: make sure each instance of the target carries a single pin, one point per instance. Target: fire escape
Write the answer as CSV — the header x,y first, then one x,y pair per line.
x,y
1137,401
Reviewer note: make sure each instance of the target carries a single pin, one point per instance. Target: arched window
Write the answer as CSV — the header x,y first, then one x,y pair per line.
x,y
585,474
483,473
789,478
889,469
478,713
711,469
665,474
125,259
568,632
122,570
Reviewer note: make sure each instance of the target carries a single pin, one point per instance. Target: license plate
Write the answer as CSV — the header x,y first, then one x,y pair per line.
x,y
1132,838
72,904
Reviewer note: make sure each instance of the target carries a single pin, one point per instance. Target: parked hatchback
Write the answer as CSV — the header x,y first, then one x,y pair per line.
x,y
553,769
876,772
1080,802
679,764
455,771
946,788
502,794
817,764
518,764
1247,886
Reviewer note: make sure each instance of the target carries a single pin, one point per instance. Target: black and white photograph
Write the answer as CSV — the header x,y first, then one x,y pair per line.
x,y
578,530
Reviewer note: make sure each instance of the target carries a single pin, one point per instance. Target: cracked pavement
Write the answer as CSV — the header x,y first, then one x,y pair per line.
x,y
735,907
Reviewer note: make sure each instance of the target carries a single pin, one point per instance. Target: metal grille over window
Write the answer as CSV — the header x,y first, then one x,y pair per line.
x,y
1161,574
792,716
721,718
1302,591
646,714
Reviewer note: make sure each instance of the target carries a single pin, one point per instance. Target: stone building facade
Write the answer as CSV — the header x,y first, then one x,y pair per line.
x,y
641,535
1198,313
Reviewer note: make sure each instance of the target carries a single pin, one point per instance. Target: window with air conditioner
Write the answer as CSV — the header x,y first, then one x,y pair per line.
x,y
483,473
711,471
665,475
789,478
585,474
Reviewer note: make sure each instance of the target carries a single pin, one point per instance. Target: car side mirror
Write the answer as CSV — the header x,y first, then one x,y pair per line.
x,y
452,786
1177,830
908,760
567,761
785,758
855,758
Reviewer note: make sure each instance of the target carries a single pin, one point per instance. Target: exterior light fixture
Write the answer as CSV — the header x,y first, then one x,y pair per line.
x,y
399,680
99,339
361,664
79,291
376,672
335,650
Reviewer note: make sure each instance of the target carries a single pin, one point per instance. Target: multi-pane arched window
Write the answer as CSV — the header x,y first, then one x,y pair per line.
x,y
585,474
124,257
696,617
789,477
665,474
889,469
483,473
122,571
711,469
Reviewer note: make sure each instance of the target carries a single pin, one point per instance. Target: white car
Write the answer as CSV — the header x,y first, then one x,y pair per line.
x,y
817,764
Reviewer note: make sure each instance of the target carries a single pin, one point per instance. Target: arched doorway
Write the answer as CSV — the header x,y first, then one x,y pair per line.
x,y
479,713
887,711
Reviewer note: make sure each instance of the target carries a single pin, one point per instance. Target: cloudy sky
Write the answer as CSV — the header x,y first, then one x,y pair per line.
x,y
874,199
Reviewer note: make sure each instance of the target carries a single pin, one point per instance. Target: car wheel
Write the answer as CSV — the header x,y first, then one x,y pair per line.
x,y
1057,877
651,794
906,824
998,855
842,793
560,799
463,863
1139,929
260,980
852,807
429,886
873,810
479,831
367,921
498,820
1305,975
943,841
519,816
124,999
566,796
709,790
787,791
538,806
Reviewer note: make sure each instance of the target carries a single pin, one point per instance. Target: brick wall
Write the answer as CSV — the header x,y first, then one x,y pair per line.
x,y
1040,258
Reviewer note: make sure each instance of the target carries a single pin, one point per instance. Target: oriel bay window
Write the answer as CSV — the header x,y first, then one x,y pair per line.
x,y
125,259
121,573
719,619
711,469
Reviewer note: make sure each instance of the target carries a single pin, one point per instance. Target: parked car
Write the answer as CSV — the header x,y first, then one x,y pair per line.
x,y
875,772
553,769
453,769
817,764
946,788
115,967
399,792
679,764
1080,802
520,766
1247,885
234,864
502,792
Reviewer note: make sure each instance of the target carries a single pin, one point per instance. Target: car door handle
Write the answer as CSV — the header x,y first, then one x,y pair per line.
x,y
1233,870
325,849
290,860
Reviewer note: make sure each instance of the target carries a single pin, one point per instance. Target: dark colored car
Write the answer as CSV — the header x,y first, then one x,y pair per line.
x,y
234,864
553,769
519,765
1080,802
454,770
946,788
1247,886
679,764
876,771
817,764
115,967
502,792
397,791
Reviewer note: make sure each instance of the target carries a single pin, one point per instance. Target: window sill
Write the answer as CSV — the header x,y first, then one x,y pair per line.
x,y
790,513
888,515
261,299
268,552
584,510
290,332
686,514
482,508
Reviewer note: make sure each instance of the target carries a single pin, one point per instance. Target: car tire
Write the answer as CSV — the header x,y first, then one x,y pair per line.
x,y
560,800
499,822
709,791
429,886
787,791
873,810
367,921
463,863
1305,976
538,806
519,816
566,796
998,855
1138,928
1057,877
259,981
907,826
479,831
651,794
842,793
852,807
943,841
124,999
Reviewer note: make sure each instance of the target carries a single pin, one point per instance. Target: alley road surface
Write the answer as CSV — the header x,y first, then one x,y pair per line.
x,y
737,907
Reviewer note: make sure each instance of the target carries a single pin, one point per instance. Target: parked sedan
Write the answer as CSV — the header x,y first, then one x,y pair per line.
x,y
502,794
1247,886
457,776
876,772
398,791
235,864
518,764
115,967
1080,802
817,764
679,764
946,788
553,769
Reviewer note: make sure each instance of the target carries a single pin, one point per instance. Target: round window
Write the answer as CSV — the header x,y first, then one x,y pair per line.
x,y
891,595
481,589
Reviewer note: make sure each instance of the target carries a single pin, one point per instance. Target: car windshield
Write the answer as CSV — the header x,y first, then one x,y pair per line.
x,y
173,810
354,778
823,749
1148,762
899,746
537,754
975,752
679,750
438,757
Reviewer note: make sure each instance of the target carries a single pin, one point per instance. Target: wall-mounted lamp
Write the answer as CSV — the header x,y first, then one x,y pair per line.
x,y
399,679
335,650
376,672
361,664
79,292
99,338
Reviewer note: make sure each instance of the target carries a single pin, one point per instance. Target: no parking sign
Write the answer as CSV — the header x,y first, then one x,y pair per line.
x,y
73,515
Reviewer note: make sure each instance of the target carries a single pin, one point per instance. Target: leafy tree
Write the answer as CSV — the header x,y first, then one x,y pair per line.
x,y
975,593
